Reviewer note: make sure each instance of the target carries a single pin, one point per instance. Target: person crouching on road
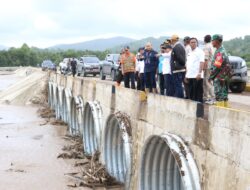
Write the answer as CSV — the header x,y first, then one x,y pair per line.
x,y
140,69
73,64
151,64
220,71
194,72
128,68
166,70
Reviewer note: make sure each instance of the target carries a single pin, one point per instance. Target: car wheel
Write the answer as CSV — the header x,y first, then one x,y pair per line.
x,y
113,75
102,76
94,75
237,87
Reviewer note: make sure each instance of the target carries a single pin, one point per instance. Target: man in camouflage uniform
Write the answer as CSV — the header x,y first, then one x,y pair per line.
x,y
220,71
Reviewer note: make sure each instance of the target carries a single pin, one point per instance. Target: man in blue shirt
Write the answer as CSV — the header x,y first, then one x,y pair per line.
x,y
150,69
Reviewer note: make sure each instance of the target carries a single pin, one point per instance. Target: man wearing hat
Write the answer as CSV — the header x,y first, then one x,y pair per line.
x,y
128,68
178,66
220,71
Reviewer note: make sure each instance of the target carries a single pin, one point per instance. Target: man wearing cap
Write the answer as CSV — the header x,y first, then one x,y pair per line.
x,y
220,71
150,68
178,63
128,68
207,86
188,50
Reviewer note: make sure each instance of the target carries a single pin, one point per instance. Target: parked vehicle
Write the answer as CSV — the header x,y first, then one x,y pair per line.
x,y
88,65
110,66
239,78
48,65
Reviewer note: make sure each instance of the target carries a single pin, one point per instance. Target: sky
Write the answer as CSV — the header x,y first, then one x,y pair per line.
x,y
44,23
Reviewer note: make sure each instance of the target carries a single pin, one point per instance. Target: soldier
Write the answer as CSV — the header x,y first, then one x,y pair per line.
x,y
220,71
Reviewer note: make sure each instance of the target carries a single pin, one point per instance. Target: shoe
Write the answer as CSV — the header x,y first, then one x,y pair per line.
x,y
143,96
210,102
154,90
226,104
219,103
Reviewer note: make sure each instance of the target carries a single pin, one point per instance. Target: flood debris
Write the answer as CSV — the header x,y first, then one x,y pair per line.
x,y
16,170
91,172
46,112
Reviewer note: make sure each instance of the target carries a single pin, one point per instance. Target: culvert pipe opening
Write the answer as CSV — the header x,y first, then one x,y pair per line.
x,y
91,128
50,94
117,148
64,107
54,97
167,164
76,113
67,104
58,103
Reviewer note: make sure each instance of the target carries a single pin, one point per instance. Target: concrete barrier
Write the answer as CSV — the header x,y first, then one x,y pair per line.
x,y
162,132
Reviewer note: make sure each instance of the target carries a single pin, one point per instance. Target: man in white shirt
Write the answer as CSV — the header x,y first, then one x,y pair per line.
x,y
166,71
194,73
140,69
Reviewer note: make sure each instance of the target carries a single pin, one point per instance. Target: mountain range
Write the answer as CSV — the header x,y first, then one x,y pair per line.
x,y
112,44
95,45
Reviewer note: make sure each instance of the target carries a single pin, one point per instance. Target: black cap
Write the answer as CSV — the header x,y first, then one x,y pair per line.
x,y
186,38
141,48
207,38
126,47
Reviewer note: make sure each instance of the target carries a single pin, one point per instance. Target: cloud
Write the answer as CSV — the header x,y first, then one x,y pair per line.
x,y
44,22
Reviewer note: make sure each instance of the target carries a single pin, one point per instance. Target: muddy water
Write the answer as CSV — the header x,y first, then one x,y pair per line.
x,y
7,78
29,149
28,152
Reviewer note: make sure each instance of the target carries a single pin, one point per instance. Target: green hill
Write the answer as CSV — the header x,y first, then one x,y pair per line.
x,y
239,47
135,45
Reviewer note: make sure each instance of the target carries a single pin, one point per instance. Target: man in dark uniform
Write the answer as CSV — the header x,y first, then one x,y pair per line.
x,y
73,66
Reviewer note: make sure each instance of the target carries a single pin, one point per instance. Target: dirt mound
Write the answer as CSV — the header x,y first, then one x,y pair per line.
x,y
29,90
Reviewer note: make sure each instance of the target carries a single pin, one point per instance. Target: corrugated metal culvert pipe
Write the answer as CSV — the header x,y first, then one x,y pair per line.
x,y
117,148
50,94
54,105
68,97
167,164
59,111
76,114
92,126
64,106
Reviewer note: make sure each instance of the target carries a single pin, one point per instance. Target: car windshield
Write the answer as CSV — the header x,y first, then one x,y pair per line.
x,y
91,60
47,63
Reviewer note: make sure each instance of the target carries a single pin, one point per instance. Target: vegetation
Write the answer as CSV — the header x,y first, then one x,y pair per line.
x,y
31,56
26,56
248,65
239,47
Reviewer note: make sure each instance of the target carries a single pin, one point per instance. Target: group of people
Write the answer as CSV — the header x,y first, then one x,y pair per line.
x,y
183,70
